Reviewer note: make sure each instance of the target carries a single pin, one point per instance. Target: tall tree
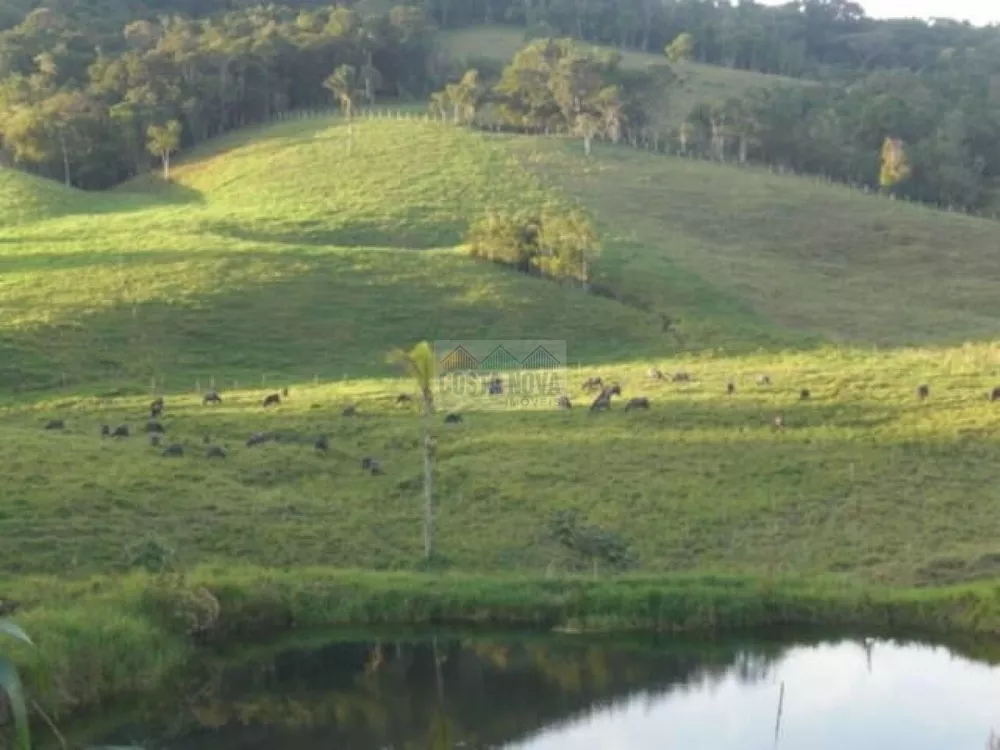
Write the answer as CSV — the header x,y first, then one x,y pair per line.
x,y
372,79
463,97
551,82
164,140
587,126
54,130
343,83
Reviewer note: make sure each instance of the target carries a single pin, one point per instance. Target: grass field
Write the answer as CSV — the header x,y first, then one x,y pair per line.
x,y
262,263
276,259
259,268
696,83
817,259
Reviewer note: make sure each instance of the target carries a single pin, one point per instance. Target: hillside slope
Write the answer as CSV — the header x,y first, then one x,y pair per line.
x,y
24,197
277,254
821,259
247,274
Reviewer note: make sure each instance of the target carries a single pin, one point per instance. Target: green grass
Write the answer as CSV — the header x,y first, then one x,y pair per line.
x,y
24,197
865,480
276,254
276,259
696,83
818,259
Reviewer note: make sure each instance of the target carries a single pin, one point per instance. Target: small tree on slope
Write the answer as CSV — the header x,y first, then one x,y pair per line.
x,y
164,140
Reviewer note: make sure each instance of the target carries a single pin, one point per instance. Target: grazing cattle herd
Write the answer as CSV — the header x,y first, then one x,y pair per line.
x,y
156,430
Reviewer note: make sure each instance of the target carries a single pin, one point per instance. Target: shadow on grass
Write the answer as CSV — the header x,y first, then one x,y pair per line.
x,y
70,261
68,202
151,191
352,234
303,314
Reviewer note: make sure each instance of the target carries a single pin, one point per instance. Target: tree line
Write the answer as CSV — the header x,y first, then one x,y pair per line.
x,y
931,136
557,85
803,38
93,92
92,107
932,89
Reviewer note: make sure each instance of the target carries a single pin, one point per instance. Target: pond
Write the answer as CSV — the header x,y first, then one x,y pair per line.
x,y
570,692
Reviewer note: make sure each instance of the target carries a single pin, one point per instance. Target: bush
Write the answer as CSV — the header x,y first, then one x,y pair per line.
x,y
587,543
191,610
151,554
549,244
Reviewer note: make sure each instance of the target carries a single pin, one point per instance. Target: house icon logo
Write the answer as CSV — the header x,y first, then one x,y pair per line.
x,y
499,360
541,359
458,359
493,374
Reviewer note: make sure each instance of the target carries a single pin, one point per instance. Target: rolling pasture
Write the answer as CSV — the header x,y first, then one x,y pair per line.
x,y
276,259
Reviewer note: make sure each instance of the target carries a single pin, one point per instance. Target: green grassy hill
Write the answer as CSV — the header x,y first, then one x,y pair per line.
x,y
277,254
24,197
696,83
278,259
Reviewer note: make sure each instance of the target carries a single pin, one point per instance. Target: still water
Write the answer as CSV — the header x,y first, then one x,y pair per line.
x,y
532,693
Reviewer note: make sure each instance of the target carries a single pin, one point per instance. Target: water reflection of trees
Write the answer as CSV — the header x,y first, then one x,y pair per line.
x,y
437,693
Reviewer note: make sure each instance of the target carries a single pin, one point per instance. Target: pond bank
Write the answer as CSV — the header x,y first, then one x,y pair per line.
x,y
107,636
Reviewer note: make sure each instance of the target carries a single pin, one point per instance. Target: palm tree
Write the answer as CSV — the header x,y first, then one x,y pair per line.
x,y
419,363
10,685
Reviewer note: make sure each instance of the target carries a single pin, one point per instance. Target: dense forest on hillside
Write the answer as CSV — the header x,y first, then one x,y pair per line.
x,y
91,103
800,38
95,91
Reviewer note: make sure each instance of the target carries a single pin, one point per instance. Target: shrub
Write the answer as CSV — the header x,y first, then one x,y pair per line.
x,y
193,611
557,245
587,543
151,554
